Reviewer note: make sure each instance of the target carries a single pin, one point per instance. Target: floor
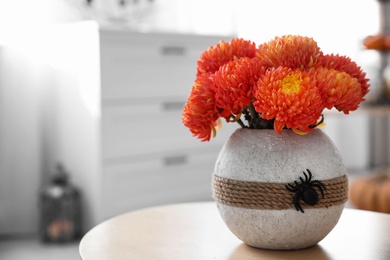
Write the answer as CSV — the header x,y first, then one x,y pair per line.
x,y
30,248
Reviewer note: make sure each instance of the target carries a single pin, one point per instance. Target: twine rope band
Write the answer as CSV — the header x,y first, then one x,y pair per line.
x,y
261,195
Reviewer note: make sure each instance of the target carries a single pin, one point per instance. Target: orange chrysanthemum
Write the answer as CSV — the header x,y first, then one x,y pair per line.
x,y
234,82
289,96
284,83
199,113
339,89
290,51
223,52
345,64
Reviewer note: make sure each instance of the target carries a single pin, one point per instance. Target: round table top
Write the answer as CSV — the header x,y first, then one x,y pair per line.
x,y
196,231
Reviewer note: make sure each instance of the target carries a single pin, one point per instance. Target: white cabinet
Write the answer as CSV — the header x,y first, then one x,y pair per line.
x,y
118,127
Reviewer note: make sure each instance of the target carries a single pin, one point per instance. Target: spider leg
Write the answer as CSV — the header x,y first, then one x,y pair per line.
x,y
296,202
319,183
306,178
291,188
320,186
310,175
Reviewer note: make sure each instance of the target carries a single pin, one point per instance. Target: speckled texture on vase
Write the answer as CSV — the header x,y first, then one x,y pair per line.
x,y
266,156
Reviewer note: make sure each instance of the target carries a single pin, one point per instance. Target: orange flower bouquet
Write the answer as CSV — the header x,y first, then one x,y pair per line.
x,y
271,189
285,83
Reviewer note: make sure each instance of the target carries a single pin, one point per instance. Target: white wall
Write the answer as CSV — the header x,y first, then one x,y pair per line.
x,y
24,81
21,78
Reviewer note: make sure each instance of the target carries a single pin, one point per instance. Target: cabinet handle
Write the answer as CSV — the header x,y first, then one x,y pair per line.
x,y
175,160
173,51
173,106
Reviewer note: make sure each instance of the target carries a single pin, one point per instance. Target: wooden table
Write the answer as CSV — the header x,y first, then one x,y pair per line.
x,y
196,231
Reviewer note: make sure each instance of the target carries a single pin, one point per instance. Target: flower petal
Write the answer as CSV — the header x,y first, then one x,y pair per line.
x,y
199,113
339,89
290,51
214,57
234,82
345,64
289,96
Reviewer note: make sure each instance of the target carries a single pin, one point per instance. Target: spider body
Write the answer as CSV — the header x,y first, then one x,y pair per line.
x,y
305,190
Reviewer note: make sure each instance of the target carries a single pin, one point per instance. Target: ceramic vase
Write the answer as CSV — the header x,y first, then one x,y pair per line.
x,y
280,192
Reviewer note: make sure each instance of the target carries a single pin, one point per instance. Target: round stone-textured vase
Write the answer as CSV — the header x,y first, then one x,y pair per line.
x,y
280,192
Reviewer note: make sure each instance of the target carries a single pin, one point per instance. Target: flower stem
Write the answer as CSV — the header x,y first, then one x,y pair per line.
x,y
254,123
239,121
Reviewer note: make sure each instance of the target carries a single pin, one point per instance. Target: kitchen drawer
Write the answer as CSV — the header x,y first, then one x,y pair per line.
x,y
150,65
149,128
154,181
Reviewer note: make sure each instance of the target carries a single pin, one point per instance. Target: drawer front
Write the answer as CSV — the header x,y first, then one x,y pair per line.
x,y
143,65
156,181
151,128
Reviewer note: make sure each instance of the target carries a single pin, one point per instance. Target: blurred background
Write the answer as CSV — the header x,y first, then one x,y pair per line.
x,y
91,94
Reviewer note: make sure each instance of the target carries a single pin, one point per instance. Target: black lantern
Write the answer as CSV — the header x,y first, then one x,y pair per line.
x,y
60,219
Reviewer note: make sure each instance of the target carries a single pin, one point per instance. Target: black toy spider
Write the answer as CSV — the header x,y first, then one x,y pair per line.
x,y
305,190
